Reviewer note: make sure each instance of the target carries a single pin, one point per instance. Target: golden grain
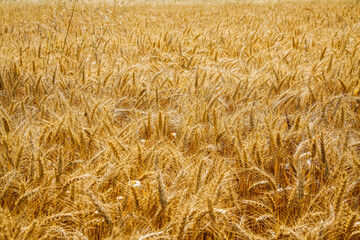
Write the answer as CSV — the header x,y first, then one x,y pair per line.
x,y
228,119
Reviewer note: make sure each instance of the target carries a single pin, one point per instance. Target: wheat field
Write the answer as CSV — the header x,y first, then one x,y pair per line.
x,y
179,120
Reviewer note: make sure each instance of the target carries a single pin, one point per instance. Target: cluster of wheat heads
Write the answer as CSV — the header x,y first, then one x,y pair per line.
x,y
179,121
